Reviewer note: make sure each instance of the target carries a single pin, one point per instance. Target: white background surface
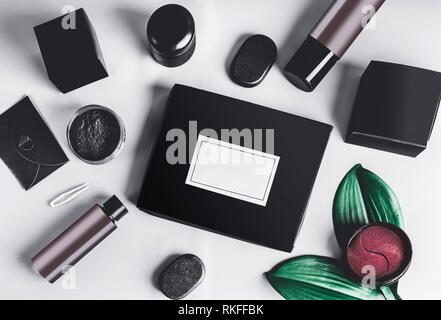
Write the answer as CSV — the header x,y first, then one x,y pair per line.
x,y
407,32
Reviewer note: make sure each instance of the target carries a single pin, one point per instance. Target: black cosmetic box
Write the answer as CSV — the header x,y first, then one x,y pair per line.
x,y
395,109
264,208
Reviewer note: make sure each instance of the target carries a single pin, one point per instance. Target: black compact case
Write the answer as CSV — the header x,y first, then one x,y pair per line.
x,y
27,146
395,108
298,142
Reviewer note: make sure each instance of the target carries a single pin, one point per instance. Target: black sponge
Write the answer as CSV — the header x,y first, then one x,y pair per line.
x,y
182,276
253,61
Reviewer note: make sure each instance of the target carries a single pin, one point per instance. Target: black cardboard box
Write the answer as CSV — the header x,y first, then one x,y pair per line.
x,y
265,206
395,108
70,51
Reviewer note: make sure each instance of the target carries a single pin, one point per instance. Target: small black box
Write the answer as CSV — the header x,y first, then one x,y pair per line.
x,y
70,51
261,201
395,108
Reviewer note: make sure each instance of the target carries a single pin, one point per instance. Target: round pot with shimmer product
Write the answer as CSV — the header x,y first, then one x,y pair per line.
x,y
171,35
96,134
382,248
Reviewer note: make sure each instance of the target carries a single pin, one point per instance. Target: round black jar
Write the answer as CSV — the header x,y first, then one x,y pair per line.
x,y
171,35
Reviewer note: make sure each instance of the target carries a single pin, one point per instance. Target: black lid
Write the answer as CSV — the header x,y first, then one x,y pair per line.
x,y
310,64
171,30
114,208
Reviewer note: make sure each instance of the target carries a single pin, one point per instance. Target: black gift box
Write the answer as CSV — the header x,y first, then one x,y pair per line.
x,y
27,146
395,108
171,190
70,51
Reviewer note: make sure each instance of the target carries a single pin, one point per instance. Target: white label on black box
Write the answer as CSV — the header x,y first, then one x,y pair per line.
x,y
232,170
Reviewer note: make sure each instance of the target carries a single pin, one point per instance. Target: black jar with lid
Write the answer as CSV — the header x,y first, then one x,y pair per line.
x,y
171,35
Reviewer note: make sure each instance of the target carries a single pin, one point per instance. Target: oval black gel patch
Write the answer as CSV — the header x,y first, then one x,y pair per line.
x,y
253,61
182,276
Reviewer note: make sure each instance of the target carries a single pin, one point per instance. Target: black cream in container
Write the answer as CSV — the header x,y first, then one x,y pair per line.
x,y
96,134
171,35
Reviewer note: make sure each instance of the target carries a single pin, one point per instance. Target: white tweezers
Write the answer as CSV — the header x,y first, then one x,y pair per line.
x,y
68,195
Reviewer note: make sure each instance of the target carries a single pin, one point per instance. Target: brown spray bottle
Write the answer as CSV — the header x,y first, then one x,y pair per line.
x,y
79,239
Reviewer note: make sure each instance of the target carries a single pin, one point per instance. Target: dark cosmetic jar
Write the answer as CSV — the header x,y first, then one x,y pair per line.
x,y
96,134
407,254
171,35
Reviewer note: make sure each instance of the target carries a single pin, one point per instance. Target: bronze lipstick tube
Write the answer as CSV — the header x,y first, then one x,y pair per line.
x,y
329,40
79,239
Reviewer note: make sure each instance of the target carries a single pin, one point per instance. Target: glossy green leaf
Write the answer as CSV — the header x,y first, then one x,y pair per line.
x,y
317,278
394,290
363,198
390,293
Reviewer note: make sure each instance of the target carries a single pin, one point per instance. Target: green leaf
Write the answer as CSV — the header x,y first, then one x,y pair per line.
x,y
317,278
394,289
363,198
390,293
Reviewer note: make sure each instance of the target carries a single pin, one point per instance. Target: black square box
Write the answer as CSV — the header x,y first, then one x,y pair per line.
x,y
70,51
300,143
395,108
